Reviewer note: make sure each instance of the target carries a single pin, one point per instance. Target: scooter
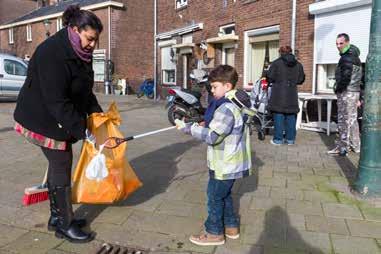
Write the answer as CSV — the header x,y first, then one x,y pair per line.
x,y
184,103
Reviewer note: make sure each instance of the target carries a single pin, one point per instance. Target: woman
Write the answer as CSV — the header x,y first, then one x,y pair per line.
x,y
52,108
285,74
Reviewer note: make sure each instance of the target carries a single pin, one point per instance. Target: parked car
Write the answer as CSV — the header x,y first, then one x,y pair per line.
x,y
13,72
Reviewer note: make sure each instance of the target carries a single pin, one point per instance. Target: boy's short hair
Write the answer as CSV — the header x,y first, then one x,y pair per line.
x,y
224,74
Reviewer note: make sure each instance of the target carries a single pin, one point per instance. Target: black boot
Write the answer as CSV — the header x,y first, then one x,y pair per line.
x,y
52,224
65,228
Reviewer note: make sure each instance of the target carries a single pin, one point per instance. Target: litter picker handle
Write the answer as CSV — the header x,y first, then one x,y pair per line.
x,y
113,142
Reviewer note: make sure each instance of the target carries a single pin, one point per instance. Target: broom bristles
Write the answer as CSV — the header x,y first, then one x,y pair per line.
x,y
35,195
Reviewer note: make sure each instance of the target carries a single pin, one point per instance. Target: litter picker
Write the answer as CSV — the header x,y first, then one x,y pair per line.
x,y
113,142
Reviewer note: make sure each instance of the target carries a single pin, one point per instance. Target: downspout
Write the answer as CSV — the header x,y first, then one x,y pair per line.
x,y
293,26
154,50
109,32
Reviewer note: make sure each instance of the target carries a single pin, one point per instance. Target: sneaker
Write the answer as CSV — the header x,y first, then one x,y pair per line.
x,y
232,233
290,142
337,151
355,149
275,143
206,239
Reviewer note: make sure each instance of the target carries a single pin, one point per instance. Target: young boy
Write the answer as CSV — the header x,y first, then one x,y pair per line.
x,y
228,155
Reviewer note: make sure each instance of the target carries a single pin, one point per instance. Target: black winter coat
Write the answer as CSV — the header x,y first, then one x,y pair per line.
x,y
348,74
285,74
57,95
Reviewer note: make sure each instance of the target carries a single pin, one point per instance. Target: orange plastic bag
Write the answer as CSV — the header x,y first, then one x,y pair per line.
x,y
121,180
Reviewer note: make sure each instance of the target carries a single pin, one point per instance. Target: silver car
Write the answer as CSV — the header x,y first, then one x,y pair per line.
x,y
13,72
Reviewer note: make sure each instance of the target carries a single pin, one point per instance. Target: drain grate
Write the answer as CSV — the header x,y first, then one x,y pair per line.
x,y
108,248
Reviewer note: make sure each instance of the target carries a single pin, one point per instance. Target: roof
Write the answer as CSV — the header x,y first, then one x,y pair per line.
x,y
57,9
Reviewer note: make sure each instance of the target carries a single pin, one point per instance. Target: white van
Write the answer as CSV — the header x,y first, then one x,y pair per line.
x,y
13,72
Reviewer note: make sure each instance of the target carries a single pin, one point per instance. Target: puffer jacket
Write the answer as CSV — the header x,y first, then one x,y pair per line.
x,y
348,72
285,74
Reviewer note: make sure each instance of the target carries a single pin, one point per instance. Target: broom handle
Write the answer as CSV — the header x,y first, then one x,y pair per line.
x,y
45,176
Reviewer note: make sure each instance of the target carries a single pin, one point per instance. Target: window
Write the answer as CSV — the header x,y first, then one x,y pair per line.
x,y
228,54
325,77
14,68
228,29
28,32
181,3
10,35
59,24
168,66
263,50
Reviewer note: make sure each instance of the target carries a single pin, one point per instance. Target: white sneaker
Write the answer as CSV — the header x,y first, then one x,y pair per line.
x,y
337,151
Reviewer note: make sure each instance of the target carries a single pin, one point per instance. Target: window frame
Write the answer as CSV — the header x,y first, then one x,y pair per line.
x,y
180,4
10,36
59,25
222,29
28,32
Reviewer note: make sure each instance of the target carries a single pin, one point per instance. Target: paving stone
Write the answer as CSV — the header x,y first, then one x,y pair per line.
x,y
364,228
326,225
297,221
312,242
178,208
229,247
33,242
285,193
272,182
9,234
354,245
304,207
316,196
341,211
267,203
274,250
327,172
84,248
114,215
287,175
196,196
370,213
300,185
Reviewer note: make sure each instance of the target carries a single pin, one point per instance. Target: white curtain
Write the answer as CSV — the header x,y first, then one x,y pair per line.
x,y
257,60
273,50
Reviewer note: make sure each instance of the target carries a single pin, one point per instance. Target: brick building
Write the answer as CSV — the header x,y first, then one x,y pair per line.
x,y
242,33
127,38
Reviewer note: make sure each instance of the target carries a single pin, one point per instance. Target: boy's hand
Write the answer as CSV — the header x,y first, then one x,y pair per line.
x,y
182,126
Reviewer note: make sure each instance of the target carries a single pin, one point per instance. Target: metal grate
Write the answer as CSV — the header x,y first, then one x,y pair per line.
x,y
108,248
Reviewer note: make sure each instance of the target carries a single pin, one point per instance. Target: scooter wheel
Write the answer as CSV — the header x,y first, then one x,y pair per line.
x,y
261,135
173,114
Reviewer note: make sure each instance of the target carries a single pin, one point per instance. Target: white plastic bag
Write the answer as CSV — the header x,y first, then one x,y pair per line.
x,y
97,169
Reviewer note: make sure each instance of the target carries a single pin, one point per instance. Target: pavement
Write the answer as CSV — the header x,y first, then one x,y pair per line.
x,y
295,203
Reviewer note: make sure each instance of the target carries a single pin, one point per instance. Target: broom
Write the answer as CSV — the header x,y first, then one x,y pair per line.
x,y
36,194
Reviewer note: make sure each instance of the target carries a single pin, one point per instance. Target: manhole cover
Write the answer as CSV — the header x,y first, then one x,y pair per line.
x,y
108,248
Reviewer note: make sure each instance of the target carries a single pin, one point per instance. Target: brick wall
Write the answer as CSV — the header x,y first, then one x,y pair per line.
x,y
132,41
248,16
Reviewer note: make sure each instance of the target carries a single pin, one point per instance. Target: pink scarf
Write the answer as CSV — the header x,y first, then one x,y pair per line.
x,y
84,54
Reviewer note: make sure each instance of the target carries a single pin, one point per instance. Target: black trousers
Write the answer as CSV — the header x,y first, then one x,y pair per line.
x,y
60,162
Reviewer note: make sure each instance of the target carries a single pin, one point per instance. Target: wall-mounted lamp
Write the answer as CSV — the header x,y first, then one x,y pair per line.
x,y
47,24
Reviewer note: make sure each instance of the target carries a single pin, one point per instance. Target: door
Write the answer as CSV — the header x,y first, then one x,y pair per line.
x,y
14,76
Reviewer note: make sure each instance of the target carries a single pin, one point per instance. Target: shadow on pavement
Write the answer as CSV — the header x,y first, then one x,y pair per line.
x,y
246,185
346,165
278,235
155,170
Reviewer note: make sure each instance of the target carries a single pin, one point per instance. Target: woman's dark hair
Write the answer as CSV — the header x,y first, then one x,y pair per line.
x,y
74,16
285,50
224,74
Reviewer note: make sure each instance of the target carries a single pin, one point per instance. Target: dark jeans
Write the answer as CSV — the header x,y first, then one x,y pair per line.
x,y
220,206
59,172
284,123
